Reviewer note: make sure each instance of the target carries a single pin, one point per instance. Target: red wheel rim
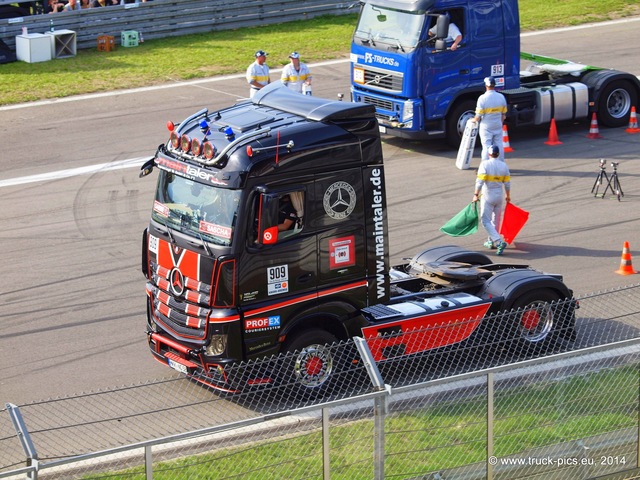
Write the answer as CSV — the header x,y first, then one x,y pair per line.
x,y
530,319
314,366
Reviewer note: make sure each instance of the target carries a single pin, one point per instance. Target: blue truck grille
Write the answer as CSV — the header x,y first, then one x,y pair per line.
x,y
379,79
379,103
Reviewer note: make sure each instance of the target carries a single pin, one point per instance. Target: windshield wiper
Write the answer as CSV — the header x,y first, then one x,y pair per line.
x,y
204,244
169,232
369,39
399,45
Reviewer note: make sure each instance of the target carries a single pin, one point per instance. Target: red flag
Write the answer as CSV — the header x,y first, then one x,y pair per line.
x,y
513,220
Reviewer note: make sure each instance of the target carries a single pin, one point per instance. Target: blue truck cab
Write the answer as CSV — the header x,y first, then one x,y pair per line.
x,y
402,64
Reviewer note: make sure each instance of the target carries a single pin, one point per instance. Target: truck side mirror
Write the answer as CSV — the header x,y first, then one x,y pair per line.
x,y
442,27
267,216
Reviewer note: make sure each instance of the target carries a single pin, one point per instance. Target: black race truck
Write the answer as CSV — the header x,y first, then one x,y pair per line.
x,y
227,283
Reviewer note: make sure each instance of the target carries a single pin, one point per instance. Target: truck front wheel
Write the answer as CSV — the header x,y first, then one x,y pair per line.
x,y
311,360
457,120
615,102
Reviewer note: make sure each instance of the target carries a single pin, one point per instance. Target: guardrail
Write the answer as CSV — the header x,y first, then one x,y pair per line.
x,y
170,18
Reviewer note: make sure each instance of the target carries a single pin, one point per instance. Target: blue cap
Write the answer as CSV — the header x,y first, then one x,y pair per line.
x,y
490,82
261,53
493,151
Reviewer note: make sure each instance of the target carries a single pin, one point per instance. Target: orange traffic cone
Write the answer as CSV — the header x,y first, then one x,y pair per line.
x,y
625,262
593,130
553,134
633,122
506,146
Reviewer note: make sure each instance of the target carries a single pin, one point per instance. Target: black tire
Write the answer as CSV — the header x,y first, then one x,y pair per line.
x,y
540,321
457,120
615,102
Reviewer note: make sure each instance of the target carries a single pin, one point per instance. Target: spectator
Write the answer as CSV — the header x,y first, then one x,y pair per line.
x,y
53,6
72,5
85,4
258,73
103,3
296,74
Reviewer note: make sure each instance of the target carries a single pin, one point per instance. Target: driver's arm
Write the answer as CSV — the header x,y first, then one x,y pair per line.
x,y
286,225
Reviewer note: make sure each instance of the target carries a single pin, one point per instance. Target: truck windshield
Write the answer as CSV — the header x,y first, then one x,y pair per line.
x,y
204,211
390,27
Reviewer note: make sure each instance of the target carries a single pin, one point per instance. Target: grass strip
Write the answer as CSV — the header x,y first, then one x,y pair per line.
x,y
230,52
423,439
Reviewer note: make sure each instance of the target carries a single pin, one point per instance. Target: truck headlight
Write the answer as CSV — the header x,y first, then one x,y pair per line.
x,y
217,346
407,111
153,326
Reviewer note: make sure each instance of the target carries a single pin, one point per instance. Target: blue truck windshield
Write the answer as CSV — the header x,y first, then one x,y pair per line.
x,y
389,27
203,211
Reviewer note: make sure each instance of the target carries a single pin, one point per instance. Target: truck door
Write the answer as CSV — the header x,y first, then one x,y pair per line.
x,y
485,38
446,70
338,216
278,270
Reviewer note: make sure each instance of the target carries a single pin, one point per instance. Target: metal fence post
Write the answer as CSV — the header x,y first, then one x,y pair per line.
x,y
380,409
369,363
490,406
24,437
326,458
148,462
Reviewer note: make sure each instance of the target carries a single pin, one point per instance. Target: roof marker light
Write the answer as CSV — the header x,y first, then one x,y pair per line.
x,y
228,131
170,126
204,127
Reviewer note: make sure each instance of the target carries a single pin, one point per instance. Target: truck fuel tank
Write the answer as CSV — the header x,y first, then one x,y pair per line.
x,y
565,101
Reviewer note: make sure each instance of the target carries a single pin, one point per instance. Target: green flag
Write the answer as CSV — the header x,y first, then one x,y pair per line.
x,y
463,223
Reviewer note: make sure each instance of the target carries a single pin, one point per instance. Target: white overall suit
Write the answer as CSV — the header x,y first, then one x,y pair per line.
x,y
493,177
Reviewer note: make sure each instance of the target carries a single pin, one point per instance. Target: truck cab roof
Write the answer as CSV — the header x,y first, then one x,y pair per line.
x,y
407,5
275,130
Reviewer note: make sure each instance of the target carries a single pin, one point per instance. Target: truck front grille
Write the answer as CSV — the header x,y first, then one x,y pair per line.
x,y
379,79
378,103
188,313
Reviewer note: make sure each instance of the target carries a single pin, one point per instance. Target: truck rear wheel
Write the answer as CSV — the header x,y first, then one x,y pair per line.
x,y
457,120
541,322
615,102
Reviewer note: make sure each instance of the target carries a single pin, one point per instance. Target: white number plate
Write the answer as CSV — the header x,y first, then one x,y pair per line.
x,y
178,366
277,279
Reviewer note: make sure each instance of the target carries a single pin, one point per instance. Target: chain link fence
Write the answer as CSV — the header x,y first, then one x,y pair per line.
x,y
527,395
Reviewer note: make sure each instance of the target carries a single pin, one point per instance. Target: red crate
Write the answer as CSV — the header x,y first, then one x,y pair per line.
x,y
106,43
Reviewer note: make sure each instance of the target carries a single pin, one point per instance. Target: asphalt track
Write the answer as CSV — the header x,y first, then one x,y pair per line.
x,y
73,211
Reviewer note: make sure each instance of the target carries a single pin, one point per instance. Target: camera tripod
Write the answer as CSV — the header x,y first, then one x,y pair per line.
x,y
613,182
